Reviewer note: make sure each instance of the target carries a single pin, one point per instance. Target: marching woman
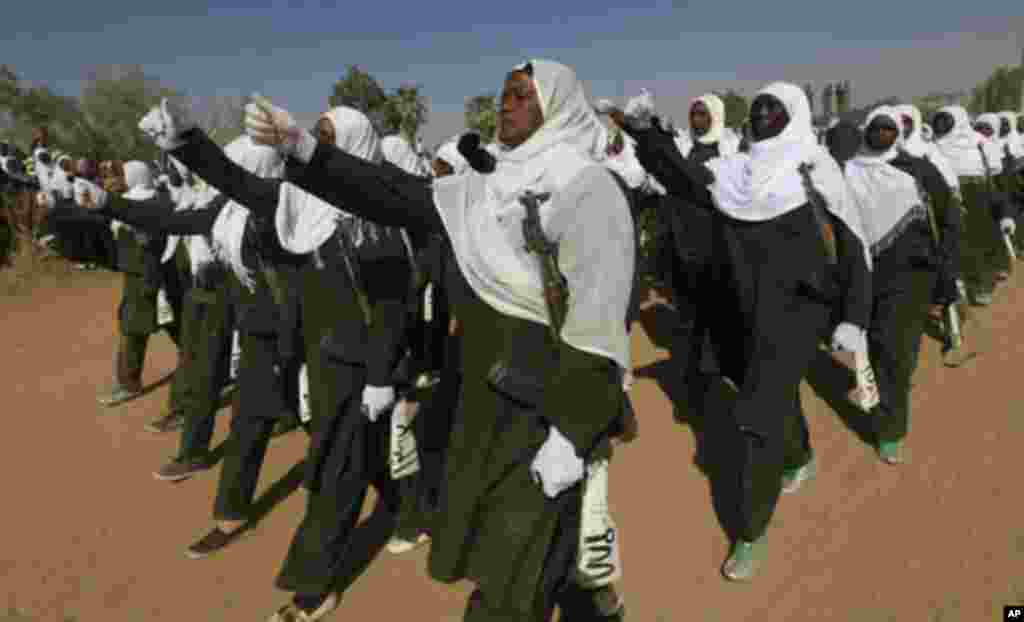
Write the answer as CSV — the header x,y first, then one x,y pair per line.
x,y
138,257
916,142
890,187
786,248
176,265
353,328
264,314
541,388
1012,148
975,161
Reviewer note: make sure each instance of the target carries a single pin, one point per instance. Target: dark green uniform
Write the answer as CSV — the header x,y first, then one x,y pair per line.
x,y
209,321
982,253
495,526
139,261
178,272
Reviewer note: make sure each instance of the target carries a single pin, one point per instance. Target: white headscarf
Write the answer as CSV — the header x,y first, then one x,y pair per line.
x,y
888,197
641,106
184,198
587,214
399,152
917,146
992,120
1013,140
728,143
229,227
43,172
449,153
139,179
765,183
960,146
303,221
626,165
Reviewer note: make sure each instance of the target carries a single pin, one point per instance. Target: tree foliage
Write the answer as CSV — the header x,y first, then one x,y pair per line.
x,y
358,89
403,110
1000,91
406,112
482,115
929,104
102,123
736,107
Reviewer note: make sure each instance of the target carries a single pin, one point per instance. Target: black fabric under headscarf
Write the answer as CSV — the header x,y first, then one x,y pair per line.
x,y
843,141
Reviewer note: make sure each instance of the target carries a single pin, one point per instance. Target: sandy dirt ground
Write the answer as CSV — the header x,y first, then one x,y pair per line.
x,y
89,535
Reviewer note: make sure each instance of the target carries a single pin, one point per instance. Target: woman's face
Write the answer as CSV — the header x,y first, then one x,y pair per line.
x,y
768,117
984,129
441,168
908,125
942,123
1004,128
881,133
325,133
520,114
700,119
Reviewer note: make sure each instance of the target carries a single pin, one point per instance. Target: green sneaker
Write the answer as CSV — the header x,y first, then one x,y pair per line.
x,y
793,479
744,560
891,452
119,395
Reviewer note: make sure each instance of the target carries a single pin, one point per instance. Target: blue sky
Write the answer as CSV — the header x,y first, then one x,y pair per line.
x,y
294,51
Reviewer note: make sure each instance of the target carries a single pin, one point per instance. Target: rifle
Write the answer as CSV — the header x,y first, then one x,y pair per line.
x,y
556,289
348,256
952,347
819,209
1011,252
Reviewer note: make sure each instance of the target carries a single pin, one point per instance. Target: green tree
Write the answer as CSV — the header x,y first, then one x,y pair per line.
x,y
736,107
1000,91
406,112
482,116
113,100
358,89
929,104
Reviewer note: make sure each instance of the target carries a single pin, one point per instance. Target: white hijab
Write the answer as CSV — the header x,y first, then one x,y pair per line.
x,y
449,153
229,227
43,172
960,146
917,146
993,120
139,180
728,143
1013,140
765,183
888,197
587,213
185,198
303,221
399,152
626,165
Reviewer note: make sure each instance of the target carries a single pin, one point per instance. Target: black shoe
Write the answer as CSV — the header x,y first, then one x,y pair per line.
x,y
168,423
212,542
182,468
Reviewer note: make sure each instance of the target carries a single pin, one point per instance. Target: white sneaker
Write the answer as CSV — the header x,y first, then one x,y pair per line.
x,y
397,546
793,480
291,613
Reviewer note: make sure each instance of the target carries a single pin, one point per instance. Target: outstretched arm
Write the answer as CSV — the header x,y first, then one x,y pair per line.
x,y
382,194
157,215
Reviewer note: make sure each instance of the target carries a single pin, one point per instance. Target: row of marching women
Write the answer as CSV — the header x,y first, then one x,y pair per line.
x,y
457,336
